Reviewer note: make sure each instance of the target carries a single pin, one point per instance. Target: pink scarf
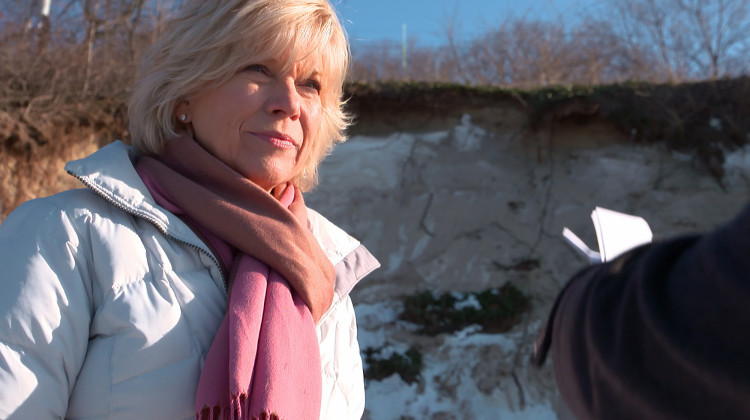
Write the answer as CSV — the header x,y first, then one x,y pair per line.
x,y
264,362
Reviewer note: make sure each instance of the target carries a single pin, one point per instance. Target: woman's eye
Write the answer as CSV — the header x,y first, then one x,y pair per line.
x,y
312,84
257,68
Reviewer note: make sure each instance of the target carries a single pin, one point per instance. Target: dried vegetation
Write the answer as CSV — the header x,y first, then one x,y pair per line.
x,y
65,75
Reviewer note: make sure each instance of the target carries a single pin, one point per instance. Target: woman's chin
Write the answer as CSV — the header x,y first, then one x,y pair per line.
x,y
270,183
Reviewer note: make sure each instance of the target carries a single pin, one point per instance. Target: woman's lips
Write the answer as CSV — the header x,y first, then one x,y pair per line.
x,y
282,141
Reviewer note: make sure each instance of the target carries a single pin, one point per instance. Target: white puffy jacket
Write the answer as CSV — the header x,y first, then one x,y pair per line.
x,y
109,304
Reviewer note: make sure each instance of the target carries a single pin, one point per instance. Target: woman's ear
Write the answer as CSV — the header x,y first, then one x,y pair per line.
x,y
182,112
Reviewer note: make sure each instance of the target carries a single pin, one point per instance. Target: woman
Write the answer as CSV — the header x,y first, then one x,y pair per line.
x,y
162,290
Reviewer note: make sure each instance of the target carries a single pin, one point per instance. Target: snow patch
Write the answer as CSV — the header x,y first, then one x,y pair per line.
x,y
397,256
715,123
737,166
386,398
467,300
356,162
419,247
467,137
436,137
392,398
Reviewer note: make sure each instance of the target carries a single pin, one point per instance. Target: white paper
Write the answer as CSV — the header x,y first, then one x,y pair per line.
x,y
579,245
616,233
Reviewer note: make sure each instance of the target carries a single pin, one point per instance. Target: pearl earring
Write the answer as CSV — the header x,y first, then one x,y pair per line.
x,y
183,117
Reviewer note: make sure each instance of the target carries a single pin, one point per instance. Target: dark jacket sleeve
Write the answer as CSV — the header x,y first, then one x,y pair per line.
x,y
661,333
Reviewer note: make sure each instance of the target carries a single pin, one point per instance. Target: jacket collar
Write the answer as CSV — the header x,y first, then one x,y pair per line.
x,y
111,174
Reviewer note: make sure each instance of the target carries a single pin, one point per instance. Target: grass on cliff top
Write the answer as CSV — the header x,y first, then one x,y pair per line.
x,y
682,115
704,118
685,116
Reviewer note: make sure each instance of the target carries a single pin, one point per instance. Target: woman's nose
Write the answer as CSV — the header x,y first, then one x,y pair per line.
x,y
284,99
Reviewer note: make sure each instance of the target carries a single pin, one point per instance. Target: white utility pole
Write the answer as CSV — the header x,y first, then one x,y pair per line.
x,y
403,52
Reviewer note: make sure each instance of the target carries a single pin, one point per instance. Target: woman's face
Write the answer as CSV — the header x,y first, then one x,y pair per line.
x,y
259,121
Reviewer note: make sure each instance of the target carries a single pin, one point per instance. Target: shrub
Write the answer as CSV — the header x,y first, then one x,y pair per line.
x,y
495,310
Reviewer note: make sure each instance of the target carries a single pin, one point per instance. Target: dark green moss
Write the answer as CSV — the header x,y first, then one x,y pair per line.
x,y
498,310
408,365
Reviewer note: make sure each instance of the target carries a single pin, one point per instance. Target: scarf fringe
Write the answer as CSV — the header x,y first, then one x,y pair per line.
x,y
238,410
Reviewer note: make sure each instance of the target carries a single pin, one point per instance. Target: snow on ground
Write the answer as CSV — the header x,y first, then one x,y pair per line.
x,y
737,166
449,387
372,322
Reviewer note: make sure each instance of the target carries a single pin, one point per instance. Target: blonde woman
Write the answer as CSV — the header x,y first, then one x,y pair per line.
x,y
188,279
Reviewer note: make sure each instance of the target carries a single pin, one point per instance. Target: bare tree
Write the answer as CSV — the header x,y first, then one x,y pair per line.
x,y
692,38
720,29
90,13
654,40
453,62
107,35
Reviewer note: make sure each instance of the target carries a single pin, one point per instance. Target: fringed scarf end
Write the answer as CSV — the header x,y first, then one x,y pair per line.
x,y
239,409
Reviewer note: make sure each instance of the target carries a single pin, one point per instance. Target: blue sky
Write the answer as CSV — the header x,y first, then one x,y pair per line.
x,y
374,20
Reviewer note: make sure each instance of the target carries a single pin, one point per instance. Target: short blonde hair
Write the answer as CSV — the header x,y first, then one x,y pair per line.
x,y
209,41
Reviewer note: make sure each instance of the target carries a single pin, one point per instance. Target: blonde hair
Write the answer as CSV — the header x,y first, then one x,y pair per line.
x,y
209,41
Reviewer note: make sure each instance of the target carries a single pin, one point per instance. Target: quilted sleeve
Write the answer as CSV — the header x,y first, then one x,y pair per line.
x,y
343,378
45,311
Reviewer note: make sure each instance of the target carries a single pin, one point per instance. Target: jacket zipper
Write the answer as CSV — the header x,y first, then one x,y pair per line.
x,y
93,187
